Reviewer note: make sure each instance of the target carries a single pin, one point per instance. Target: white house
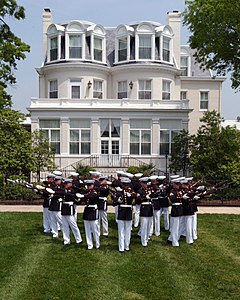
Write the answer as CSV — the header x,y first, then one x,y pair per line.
x,y
112,97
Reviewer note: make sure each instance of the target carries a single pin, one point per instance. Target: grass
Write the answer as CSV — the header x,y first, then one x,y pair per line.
x,y
33,266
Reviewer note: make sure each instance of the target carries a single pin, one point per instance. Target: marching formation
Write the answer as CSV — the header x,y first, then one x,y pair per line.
x,y
144,198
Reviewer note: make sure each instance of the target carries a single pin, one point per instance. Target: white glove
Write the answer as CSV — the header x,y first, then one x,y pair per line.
x,y
196,198
50,191
40,187
148,197
79,195
118,189
185,197
119,200
128,194
60,199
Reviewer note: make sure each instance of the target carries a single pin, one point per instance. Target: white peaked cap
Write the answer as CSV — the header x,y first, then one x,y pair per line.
x,y
138,175
174,176
162,177
129,175
153,177
57,173
74,174
95,173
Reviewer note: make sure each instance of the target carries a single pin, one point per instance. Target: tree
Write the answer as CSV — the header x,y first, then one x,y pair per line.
x,y
17,156
215,29
180,153
216,150
12,48
83,171
44,155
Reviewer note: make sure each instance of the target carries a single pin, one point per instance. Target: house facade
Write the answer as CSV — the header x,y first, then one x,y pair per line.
x,y
111,97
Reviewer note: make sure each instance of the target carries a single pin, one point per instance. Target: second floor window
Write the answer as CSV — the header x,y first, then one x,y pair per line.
x,y
53,48
53,89
122,89
166,90
97,89
98,49
75,46
145,89
75,88
183,95
145,47
204,99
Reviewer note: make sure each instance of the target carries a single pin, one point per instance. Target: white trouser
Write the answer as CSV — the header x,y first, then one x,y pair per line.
x,y
75,215
56,222
116,213
92,227
70,221
137,215
182,227
194,226
165,212
46,220
104,218
146,224
189,229
156,222
174,235
124,234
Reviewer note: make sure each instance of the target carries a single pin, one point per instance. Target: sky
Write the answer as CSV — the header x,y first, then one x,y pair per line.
x,y
108,13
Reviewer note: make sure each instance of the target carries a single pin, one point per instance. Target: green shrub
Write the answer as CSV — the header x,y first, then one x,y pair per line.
x,y
16,192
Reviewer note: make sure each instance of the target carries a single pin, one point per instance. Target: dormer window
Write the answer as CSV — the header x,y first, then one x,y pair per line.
x,y
122,49
75,46
53,48
184,65
98,49
166,49
145,47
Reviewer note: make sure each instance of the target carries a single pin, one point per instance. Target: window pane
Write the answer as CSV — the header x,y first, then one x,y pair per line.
x,y
134,148
75,92
74,135
85,135
134,136
145,148
53,48
166,49
145,47
55,135
98,49
115,128
97,89
146,136
85,148
79,123
104,147
122,49
164,136
104,127
140,124
74,148
49,123
115,147
55,146
164,148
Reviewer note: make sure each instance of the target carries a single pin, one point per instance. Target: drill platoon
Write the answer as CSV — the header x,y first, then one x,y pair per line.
x,y
139,202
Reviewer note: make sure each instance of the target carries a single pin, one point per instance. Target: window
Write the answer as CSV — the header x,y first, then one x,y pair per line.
x,y
51,131
166,90
80,137
75,46
140,137
122,49
145,47
204,99
53,89
53,48
166,49
122,89
183,95
166,140
75,88
184,65
97,89
98,49
145,89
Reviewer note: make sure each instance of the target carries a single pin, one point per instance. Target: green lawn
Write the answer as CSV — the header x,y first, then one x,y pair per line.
x,y
33,266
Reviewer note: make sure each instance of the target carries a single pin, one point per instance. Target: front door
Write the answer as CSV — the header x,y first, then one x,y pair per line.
x,y
110,142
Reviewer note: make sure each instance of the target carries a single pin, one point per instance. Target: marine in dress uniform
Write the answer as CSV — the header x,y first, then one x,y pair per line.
x,y
124,200
146,211
77,186
164,202
175,197
117,184
103,190
68,214
46,201
90,215
56,205
136,183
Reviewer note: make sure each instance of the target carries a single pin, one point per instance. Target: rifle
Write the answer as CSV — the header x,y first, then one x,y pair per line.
x,y
36,188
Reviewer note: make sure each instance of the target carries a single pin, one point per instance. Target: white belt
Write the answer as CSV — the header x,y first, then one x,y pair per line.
x,y
68,203
125,205
155,198
146,203
92,206
103,198
176,203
